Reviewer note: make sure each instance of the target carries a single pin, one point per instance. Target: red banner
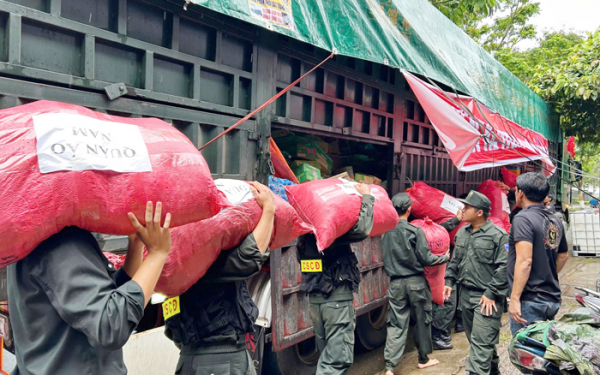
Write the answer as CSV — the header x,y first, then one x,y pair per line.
x,y
475,136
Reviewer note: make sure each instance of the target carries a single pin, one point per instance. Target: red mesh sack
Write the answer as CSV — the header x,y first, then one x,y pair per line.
x,y
432,203
196,246
332,206
497,193
64,165
439,243
509,177
117,260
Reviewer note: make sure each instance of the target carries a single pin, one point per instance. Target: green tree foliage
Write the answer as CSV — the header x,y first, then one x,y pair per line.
x,y
495,24
552,50
509,26
589,155
573,89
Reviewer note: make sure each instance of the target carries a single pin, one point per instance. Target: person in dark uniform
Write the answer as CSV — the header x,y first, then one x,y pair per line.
x,y
331,290
70,311
217,312
442,315
479,268
406,253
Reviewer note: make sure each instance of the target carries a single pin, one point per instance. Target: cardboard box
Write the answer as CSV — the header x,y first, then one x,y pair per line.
x,y
324,161
297,163
343,176
298,147
334,148
348,170
321,143
367,179
306,172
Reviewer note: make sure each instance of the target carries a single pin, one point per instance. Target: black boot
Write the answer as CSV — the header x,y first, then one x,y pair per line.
x,y
445,336
458,327
438,342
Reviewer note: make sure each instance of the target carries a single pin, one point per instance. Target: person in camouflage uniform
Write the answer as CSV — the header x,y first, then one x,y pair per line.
x,y
478,268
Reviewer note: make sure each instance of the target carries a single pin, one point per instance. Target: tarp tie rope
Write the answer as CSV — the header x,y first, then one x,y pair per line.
x,y
268,102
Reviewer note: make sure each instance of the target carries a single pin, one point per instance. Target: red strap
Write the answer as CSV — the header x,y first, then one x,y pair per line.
x,y
264,105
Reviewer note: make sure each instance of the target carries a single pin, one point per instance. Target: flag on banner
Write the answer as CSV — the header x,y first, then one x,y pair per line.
x,y
474,136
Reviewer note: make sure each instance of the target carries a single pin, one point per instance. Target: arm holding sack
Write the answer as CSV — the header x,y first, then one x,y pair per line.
x,y
360,231
451,224
246,259
426,258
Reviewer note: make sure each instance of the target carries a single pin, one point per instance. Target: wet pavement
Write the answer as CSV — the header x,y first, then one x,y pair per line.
x,y
577,272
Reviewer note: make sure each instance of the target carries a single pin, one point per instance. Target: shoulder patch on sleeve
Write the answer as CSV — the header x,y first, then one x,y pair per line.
x,y
506,246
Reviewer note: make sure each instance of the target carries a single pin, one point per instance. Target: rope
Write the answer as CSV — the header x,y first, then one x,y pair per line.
x,y
268,102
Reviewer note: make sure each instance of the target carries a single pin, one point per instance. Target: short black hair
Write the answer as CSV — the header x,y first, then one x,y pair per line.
x,y
534,185
486,214
401,212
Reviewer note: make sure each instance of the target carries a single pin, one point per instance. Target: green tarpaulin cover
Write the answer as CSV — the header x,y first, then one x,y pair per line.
x,y
409,34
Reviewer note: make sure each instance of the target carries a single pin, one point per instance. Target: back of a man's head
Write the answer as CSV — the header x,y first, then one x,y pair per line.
x,y
534,186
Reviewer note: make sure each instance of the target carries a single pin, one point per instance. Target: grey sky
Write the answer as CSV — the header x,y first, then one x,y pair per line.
x,y
576,15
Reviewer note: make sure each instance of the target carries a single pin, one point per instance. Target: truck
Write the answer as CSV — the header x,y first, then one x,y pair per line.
x,y
201,71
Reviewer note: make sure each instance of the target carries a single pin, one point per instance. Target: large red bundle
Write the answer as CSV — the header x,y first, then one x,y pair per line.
x,y
63,165
332,206
497,193
432,203
510,178
439,244
196,246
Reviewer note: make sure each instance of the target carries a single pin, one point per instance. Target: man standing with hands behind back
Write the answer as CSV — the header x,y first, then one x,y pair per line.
x,y
537,253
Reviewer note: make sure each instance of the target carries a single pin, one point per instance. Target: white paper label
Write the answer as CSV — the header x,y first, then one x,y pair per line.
x,y
72,142
451,204
505,204
236,191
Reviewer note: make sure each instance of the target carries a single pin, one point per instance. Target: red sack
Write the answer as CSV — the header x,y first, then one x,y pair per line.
x,y
439,244
117,260
196,246
63,165
280,165
497,193
509,177
332,206
432,203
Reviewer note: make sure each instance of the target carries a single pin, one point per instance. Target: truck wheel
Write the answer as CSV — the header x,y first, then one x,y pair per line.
x,y
371,328
300,359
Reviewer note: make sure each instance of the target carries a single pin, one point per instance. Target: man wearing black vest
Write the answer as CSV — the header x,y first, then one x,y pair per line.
x,y
330,291
217,312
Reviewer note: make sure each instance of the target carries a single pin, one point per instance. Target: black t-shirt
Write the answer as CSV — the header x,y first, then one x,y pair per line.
x,y
539,226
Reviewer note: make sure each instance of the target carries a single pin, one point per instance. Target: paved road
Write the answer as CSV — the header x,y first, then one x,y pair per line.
x,y
577,272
